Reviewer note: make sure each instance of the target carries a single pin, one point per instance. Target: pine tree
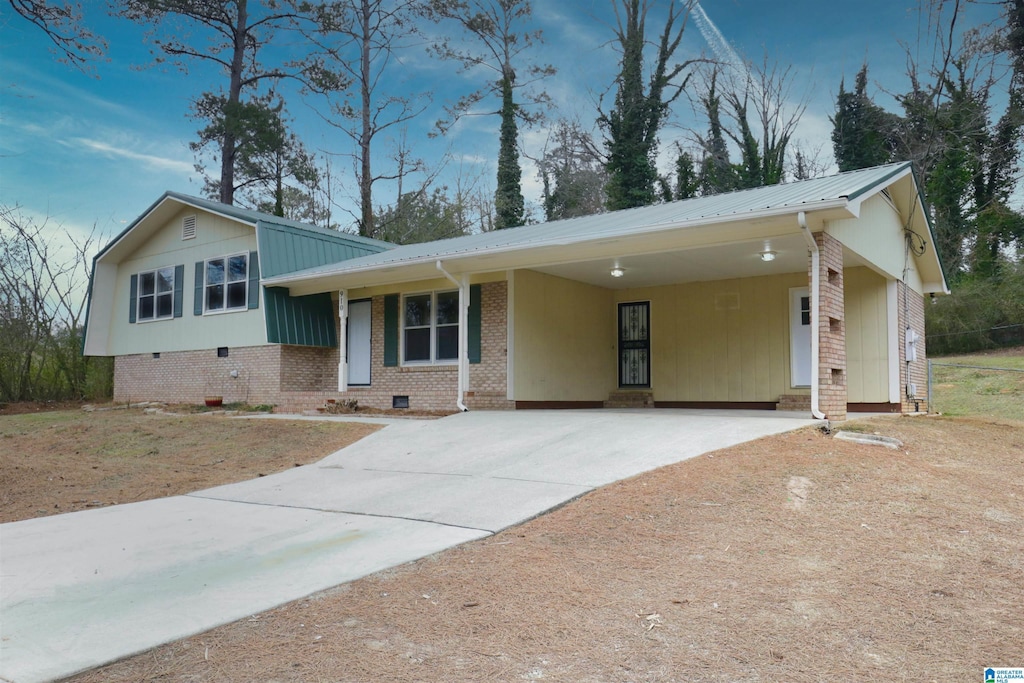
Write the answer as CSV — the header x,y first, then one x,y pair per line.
x,y
863,134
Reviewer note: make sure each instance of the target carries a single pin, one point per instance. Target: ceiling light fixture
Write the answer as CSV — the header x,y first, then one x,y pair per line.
x,y
617,272
767,256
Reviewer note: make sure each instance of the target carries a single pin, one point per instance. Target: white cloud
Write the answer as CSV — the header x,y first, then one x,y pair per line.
x,y
150,160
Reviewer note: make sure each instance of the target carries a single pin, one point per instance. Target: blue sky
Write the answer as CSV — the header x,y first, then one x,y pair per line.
x,y
98,150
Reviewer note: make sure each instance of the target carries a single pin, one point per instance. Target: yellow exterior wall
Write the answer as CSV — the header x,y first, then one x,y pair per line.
x,y
215,236
725,340
564,339
867,335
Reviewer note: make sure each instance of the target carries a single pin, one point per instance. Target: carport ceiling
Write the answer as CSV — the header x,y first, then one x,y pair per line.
x,y
720,262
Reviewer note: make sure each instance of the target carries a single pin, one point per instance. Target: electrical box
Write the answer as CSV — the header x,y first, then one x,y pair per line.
x,y
911,346
911,390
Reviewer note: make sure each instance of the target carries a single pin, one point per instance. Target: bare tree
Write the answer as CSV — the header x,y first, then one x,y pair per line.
x,y
43,276
497,42
764,117
63,24
362,38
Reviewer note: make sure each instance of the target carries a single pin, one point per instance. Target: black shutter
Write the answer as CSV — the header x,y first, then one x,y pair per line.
x,y
254,280
133,296
179,287
391,330
197,301
473,320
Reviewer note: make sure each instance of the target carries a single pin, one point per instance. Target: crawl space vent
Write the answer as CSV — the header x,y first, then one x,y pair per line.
x,y
188,227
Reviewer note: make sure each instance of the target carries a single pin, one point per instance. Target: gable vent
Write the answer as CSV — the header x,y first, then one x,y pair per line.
x,y
188,227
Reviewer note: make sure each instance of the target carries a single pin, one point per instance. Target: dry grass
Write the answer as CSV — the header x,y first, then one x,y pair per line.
x,y
792,558
62,461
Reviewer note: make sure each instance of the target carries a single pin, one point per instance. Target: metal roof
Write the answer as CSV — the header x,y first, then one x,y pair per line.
x,y
841,190
245,216
285,248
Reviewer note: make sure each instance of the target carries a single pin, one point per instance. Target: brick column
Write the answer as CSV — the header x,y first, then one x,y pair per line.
x,y
831,328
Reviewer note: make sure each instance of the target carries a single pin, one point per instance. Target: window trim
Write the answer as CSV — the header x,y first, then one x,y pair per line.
x,y
139,295
433,360
245,280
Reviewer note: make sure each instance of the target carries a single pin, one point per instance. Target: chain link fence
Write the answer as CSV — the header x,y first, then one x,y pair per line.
x,y
979,390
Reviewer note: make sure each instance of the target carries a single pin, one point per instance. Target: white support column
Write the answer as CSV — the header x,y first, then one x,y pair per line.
x,y
342,341
893,345
464,302
510,341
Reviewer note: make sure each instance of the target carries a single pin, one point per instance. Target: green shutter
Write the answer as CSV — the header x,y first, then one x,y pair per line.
x,y
391,330
254,280
179,287
473,320
133,297
197,301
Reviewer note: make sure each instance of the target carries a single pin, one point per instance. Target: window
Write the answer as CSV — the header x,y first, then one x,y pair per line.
x,y
431,327
156,294
226,283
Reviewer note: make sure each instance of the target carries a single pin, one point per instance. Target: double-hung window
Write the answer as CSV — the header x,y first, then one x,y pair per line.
x,y
226,283
156,294
431,327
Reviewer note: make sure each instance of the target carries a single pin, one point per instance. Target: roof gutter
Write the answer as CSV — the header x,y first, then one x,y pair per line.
x,y
463,286
812,246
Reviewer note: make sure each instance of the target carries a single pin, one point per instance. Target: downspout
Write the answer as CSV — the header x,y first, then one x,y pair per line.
x,y
812,246
342,340
463,332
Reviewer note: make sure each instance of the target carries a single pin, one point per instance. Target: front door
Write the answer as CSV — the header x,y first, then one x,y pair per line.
x,y
359,343
800,337
635,345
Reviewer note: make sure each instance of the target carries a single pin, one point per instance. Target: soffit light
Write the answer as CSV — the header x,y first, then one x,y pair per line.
x,y
617,272
767,256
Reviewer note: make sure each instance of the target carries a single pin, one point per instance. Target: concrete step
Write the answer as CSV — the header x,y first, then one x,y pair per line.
x,y
793,402
630,399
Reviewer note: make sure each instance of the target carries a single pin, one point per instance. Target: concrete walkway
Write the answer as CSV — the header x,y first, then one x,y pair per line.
x,y
82,589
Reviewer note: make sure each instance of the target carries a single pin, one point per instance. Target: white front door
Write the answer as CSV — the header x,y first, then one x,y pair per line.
x,y
800,336
359,343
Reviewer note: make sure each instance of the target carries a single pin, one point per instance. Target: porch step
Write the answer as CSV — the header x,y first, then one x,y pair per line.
x,y
630,399
794,402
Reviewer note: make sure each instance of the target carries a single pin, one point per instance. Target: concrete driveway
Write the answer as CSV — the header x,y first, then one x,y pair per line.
x,y
82,589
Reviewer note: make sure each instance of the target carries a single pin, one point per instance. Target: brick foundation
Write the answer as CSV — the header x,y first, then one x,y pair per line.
x,y
296,378
188,376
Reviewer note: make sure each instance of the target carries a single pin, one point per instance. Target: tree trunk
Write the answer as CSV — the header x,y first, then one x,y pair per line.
x,y
508,199
227,147
366,227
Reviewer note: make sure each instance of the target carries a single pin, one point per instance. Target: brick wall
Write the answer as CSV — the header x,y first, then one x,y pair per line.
x,y
309,368
299,378
435,387
831,328
488,379
911,314
188,376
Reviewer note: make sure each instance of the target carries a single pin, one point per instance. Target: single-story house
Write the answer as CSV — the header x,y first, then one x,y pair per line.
x,y
805,296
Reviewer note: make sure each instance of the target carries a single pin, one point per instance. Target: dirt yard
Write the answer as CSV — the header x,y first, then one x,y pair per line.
x,y
62,461
793,558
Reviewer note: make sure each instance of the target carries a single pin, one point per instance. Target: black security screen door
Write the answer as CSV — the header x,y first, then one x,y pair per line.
x,y
635,345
